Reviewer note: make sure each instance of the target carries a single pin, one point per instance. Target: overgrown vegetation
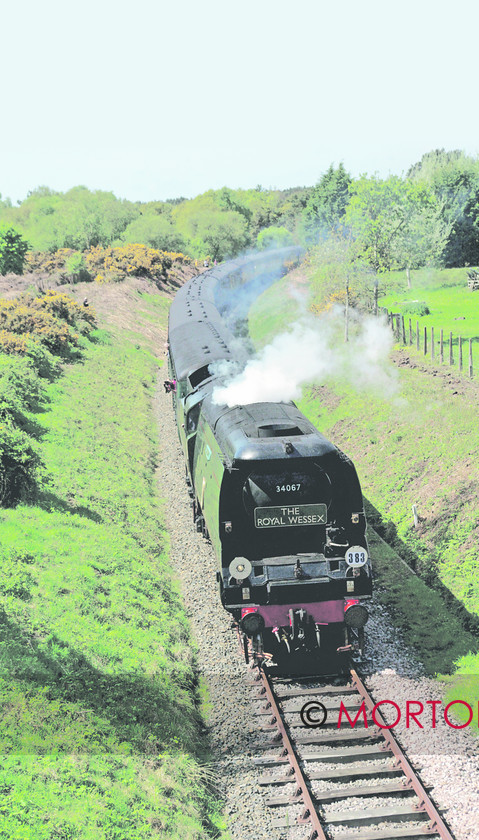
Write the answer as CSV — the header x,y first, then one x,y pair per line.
x,y
100,729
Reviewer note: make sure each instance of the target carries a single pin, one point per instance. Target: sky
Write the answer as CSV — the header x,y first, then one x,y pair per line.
x,y
156,100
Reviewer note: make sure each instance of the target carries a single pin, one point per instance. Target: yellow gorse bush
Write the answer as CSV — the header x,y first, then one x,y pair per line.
x,y
23,319
64,307
50,319
46,262
107,265
337,298
12,343
114,264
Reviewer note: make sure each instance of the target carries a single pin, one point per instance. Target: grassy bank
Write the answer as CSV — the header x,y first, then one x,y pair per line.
x,y
100,729
419,448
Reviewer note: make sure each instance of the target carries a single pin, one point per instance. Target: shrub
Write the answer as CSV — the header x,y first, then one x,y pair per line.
x,y
10,343
415,307
106,265
13,248
44,261
46,318
76,269
19,463
113,264
274,237
18,317
64,307
42,360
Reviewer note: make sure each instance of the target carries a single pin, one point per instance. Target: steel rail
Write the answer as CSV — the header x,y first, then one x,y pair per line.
x,y
425,808
309,815
425,802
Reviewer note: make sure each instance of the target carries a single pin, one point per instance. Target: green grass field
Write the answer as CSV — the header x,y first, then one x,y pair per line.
x,y
100,724
452,306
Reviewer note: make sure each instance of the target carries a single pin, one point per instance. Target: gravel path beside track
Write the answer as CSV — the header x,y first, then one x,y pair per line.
x,y
449,758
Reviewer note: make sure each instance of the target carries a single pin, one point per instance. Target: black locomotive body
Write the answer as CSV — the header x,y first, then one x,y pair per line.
x,y
281,505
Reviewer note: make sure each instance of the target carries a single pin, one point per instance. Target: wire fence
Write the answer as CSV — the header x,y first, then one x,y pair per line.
x,y
440,346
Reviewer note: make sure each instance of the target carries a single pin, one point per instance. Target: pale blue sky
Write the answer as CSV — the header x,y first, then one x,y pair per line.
x,y
161,99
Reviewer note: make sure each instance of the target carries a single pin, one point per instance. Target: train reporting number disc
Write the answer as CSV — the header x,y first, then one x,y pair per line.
x,y
356,556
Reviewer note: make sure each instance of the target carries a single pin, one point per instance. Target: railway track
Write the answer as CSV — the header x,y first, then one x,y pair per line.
x,y
324,777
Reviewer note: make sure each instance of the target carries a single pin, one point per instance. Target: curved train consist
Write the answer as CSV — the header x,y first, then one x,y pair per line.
x,y
281,505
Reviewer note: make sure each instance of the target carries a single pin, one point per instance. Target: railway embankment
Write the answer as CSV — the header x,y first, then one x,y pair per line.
x,y
101,733
417,447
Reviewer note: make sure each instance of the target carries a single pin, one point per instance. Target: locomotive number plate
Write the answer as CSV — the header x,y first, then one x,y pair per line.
x,y
286,515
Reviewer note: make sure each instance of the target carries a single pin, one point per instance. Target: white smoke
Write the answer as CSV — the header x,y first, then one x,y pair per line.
x,y
314,350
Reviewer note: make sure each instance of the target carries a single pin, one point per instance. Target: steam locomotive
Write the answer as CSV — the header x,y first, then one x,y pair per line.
x,y
281,505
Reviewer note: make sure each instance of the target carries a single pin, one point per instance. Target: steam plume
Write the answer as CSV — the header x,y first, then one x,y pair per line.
x,y
314,351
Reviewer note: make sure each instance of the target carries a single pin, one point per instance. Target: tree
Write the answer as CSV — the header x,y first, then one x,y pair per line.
x,y
453,178
211,229
341,276
421,239
13,248
383,216
274,237
328,201
223,234
155,231
86,219
76,219
462,245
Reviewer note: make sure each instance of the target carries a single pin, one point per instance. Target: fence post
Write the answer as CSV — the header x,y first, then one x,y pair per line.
x,y
470,358
441,347
410,333
398,327
425,340
432,342
417,335
403,330
459,350
451,359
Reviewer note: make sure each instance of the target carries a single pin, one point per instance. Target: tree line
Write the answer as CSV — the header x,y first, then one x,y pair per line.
x,y
430,215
